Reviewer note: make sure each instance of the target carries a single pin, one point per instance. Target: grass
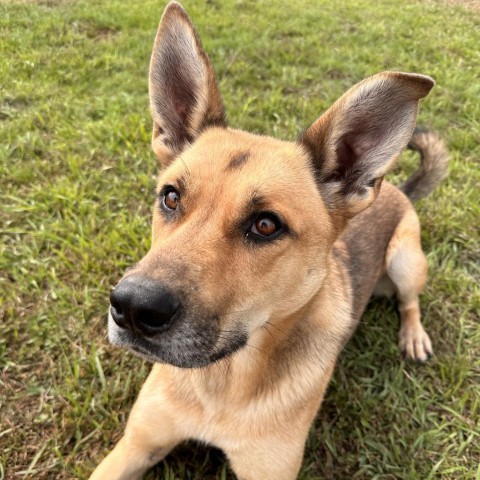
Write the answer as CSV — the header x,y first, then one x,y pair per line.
x,y
77,182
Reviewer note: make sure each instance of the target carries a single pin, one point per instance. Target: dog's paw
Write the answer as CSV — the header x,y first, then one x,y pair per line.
x,y
415,343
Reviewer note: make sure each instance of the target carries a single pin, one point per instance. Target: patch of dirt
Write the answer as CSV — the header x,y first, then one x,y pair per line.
x,y
95,31
44,3
473,5
11,106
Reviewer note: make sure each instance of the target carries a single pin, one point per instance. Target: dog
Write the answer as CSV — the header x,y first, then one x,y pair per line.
x,y
264,255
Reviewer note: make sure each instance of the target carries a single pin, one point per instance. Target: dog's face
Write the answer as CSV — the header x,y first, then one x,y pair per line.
x,y
243,224
235,240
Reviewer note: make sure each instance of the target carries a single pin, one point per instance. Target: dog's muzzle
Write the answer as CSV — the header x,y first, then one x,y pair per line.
x,y
143,305
164,325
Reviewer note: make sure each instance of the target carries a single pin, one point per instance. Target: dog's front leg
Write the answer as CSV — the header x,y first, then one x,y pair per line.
x,y
129,461
150,434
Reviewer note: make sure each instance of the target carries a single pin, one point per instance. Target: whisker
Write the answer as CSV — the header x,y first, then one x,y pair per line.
x,y
275,326
186,168
269,332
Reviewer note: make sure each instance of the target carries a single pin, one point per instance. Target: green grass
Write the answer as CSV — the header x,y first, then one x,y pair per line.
x,y
76,185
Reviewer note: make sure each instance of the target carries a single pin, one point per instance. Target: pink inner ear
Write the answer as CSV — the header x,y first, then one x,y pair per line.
x,y
357,146
180,108
361,145
352,150
182,102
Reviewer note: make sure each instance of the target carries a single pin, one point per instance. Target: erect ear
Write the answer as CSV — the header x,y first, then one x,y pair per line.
x,y
355,142
184,96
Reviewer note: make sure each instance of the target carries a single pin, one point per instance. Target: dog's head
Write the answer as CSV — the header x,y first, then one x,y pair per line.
x,y
243,225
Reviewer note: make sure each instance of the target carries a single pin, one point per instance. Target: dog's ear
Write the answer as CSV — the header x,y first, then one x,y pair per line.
x,y
354,143
184,95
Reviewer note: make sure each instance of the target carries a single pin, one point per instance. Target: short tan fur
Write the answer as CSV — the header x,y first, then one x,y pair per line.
x,y
266,253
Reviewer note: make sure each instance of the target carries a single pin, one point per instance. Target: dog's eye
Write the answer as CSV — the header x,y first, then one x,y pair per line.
x,y
266,226
171,198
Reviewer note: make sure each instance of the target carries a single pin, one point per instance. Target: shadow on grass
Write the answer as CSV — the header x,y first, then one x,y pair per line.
x,y
193,461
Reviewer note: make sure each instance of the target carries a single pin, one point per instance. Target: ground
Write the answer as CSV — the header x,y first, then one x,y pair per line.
x,y
76,185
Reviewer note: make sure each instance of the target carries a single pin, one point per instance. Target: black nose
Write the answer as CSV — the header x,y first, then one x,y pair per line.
x,y
143,305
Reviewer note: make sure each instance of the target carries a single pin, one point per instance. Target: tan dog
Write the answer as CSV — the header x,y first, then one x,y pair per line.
x,y
264,255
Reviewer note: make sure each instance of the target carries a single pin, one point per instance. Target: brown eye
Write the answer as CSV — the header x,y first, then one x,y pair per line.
x,y
171,199
265,227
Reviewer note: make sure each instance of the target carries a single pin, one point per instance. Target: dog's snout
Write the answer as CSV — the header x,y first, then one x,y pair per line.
x,y
143,305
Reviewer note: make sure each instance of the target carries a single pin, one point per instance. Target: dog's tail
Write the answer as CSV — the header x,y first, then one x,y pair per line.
x,y
433,167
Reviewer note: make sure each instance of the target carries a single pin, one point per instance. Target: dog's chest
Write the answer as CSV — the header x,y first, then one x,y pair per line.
x,y
229,411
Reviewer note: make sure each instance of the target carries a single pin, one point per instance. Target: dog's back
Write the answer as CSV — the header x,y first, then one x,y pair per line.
x,y
372,230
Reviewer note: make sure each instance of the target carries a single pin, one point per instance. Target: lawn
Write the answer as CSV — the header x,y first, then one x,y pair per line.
x,y
76,186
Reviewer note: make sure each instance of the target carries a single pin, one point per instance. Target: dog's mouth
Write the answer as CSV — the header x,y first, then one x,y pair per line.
x,y
189,345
